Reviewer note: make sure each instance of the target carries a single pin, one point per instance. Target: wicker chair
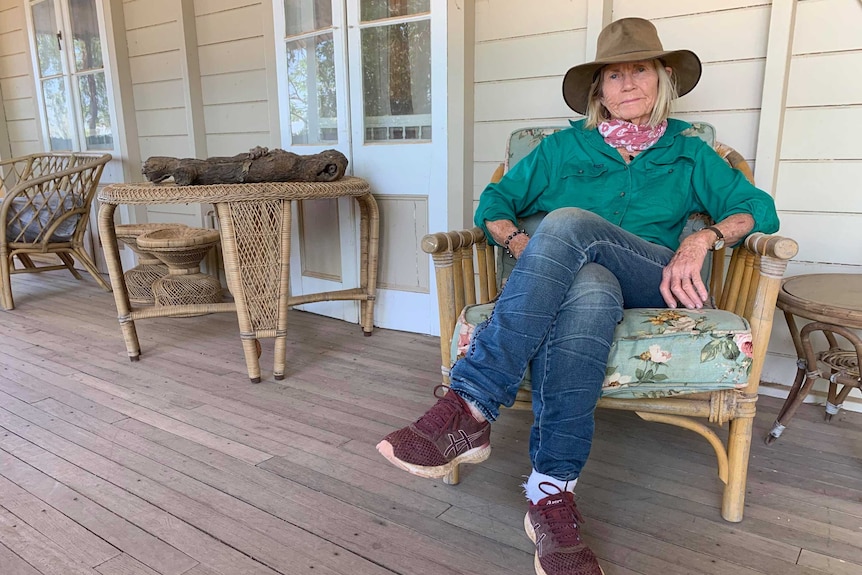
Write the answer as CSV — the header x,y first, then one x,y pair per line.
x,y
45,209
463,260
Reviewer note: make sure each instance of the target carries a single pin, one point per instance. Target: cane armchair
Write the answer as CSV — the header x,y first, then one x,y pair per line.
x,y
45,209
469,276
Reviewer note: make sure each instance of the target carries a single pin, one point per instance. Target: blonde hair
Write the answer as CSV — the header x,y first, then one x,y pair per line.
x,y
667,93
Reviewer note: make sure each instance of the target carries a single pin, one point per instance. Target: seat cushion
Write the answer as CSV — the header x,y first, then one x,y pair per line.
x,y
657,352
27,219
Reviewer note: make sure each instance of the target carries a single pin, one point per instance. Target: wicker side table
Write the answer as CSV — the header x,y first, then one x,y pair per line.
x,y
254,222
834,303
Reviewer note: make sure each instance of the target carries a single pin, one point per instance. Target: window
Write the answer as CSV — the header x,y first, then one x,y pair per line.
x,y
396,69
70,69
311,71
388,84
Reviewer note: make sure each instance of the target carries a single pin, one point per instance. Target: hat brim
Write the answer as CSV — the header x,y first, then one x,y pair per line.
x,y
685,64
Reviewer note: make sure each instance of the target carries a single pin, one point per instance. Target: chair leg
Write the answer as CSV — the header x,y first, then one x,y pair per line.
x,y
738,451
788,410
90,266
453,477
26,261
70,264
6,282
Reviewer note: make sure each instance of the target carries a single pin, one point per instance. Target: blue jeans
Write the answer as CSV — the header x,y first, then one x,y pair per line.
x,y
557,315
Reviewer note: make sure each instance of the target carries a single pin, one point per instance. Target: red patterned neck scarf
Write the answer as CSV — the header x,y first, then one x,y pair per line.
x,y
622,134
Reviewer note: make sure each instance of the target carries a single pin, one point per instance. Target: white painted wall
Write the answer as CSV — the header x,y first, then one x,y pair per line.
x,y
820,163
16,81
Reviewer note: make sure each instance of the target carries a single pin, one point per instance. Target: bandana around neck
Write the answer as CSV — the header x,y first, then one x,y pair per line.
x,y
622,134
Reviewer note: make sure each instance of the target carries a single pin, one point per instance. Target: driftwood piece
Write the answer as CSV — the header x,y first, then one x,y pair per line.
x,y
257,165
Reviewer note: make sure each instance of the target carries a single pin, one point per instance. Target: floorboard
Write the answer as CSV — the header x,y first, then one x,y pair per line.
x,y
178,465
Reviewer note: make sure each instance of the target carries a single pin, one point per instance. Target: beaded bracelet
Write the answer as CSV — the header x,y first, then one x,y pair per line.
x,y
510,237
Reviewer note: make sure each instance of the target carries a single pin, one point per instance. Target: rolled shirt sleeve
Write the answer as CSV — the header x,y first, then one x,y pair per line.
x,y
724,191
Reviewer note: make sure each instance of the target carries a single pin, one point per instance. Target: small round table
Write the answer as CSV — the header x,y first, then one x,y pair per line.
x,y
834,304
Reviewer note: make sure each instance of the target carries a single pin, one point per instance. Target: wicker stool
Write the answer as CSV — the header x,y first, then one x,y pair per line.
x,y
181,250
139,279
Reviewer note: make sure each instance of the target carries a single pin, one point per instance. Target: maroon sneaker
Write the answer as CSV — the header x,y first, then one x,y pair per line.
x,y
553,525
445,436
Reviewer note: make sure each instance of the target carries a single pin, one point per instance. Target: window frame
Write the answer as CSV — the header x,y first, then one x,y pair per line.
x,y
71,76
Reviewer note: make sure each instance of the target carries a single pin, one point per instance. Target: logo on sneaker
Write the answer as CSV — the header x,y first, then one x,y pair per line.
x,y
541,538
460,442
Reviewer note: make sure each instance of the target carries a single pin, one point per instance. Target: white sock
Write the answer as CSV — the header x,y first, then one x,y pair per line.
x,y
535,493
475,411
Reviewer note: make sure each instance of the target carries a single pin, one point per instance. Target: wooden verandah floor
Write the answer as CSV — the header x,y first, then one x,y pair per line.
x,y
178,465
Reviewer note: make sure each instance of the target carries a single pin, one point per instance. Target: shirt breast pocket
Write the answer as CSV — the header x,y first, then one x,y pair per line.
x,y
667,186
584,185
582,171
673,172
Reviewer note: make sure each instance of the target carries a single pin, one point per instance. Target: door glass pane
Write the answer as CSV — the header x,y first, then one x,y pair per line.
x,y
396,81
378,9
96,119
47,44
302,16
86,42
57,112
311,89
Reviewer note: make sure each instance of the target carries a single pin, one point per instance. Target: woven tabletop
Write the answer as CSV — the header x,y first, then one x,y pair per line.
x,y
149,193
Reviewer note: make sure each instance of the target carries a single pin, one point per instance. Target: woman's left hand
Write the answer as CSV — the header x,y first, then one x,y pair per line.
x,y
681,282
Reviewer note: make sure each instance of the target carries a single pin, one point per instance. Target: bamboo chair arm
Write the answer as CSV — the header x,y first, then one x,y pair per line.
x,y
772,246
454,254
449,241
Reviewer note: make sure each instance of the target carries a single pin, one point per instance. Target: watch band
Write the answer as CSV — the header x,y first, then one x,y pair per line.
x,y
716,231
719,238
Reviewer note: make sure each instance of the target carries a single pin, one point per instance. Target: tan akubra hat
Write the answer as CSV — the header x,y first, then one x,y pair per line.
x,y
629,40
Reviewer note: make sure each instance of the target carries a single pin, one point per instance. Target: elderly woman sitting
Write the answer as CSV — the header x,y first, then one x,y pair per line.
x,y
619,186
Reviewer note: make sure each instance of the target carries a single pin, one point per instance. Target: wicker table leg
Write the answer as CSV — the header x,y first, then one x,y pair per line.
x,y
256,251
118,282
280,354
369,237
846,374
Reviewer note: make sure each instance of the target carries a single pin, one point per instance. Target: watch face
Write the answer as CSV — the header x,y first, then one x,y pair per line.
x,y
718,245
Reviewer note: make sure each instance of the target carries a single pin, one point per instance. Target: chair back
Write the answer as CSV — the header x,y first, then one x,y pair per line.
x,y
51,197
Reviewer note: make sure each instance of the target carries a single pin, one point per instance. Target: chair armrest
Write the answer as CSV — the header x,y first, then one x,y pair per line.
x,y
761,293
454,254
772,246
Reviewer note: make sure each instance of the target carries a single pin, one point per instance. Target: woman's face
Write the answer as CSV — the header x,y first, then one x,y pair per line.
x,y
629,90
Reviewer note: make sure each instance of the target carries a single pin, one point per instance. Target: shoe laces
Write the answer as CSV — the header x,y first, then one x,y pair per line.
x,y
436,420
561,515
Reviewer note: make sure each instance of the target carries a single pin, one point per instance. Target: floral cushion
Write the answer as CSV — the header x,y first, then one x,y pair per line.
x,y
657,352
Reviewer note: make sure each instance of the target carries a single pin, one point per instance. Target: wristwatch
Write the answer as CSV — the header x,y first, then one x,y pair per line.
x,y
719,238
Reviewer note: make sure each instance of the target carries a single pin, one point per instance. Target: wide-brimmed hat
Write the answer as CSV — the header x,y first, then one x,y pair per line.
x,y
629,40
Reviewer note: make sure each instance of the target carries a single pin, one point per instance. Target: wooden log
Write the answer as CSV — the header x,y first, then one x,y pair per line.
x,y
257,165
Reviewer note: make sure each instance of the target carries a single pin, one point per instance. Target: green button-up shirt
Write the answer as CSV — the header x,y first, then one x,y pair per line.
x,y
651,197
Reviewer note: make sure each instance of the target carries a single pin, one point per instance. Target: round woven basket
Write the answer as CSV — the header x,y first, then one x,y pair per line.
x,y
181,250
139,279
187,289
